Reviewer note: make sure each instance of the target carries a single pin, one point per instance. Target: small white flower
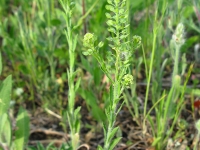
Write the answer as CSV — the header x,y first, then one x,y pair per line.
x,y
19,91
178,36
12,103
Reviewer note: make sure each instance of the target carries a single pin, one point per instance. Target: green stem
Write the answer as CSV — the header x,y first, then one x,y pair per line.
x,y
155,30
176,62
116,86
112,115
71,96
150,71
72,116
107,142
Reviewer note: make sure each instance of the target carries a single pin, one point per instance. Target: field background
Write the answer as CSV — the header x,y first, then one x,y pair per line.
x,y
35,52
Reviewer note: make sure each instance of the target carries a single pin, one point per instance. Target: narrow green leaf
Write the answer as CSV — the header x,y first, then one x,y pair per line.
x,y
77,84
50,146
76,119
40,146
156,141
99,147
104,129
5,92
3,121
114,143
77,110
74,43
5,129
22,132
0,64
118,110
113,132
8,131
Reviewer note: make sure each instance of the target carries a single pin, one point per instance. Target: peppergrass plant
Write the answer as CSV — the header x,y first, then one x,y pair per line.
x,y
117,63
71,113
30,34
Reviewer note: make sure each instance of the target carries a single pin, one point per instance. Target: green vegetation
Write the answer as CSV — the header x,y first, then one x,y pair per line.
x,y
98,73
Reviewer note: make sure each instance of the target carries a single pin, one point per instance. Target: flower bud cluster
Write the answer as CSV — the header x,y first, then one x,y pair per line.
x,y
137,41
127,79
178,36
89,40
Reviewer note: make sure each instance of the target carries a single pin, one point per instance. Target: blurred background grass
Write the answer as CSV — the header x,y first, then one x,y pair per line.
x,y
35,50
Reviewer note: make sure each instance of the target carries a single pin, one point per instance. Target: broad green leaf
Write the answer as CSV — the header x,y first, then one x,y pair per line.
x,y
55,22
195,92
23,68
112,30
91,100
111,23
5,129
3,121
110,8
5,93
108,15
8,131
22,132
60,53
122,11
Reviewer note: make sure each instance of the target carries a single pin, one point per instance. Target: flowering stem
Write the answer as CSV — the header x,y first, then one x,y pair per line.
x,y
176,62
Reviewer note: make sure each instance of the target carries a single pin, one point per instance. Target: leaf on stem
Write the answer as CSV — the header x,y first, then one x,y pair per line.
x,y
5,94
22,131
114,143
